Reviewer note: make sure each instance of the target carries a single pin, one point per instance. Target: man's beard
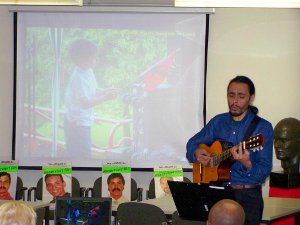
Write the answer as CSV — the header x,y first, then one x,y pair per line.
x,y
235,113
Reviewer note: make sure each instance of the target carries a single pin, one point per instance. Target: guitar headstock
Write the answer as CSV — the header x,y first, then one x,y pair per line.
x,y
254,143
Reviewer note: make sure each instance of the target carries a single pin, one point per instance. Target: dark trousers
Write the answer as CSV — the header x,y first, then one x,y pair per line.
x,y
252,202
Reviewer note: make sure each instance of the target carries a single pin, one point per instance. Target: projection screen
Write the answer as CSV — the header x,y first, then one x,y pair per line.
x,y
155,64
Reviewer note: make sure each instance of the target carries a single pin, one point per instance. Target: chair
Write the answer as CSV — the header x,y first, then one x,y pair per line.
x,y
96,190
150,193
40,215
176,220
20,192
138,213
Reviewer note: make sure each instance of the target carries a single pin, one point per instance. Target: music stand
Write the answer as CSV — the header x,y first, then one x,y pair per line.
x,y
194,200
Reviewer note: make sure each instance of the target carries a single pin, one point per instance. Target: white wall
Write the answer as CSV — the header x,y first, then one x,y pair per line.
x,y
261,43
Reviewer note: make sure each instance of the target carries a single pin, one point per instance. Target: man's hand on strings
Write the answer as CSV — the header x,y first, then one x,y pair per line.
x,y
243,156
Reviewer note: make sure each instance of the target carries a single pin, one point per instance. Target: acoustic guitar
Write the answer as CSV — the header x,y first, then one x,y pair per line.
x,y
218,169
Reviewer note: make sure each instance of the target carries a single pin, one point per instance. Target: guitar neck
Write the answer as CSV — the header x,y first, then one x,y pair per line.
x,y
252,143
219,158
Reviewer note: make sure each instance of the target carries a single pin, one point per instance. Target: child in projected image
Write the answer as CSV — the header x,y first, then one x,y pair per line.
x,y
82,94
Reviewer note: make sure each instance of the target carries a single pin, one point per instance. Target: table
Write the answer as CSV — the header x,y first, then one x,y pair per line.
x,y
35,206
166,203
278,208
274,209
285,193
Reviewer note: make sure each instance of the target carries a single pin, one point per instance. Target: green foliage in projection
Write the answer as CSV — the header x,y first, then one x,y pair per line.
x,y
123,56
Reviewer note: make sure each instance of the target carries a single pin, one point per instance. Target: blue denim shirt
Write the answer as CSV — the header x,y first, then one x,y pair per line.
x,y
223,128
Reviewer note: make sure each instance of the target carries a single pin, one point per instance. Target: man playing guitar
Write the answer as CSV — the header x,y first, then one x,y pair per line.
x,y
250,168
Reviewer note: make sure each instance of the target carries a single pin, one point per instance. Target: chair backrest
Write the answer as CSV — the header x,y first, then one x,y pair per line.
x,y
39,189
20,190
76,191
151,190
97,189
176,220
75,188
138,213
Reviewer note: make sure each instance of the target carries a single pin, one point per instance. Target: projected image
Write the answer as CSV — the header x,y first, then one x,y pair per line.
x,y
84,212
108,86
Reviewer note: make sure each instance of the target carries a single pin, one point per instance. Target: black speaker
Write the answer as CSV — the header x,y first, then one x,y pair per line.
x,y
284,180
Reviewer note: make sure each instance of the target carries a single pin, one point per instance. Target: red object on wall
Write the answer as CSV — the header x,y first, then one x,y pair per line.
x,y
285,221
284,193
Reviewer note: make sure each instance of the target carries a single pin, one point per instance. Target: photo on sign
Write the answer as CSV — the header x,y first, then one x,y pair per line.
x,y
8,184
117,186
161,185
56,185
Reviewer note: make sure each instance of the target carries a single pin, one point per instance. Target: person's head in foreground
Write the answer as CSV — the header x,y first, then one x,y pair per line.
x,y
17,213
226,212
